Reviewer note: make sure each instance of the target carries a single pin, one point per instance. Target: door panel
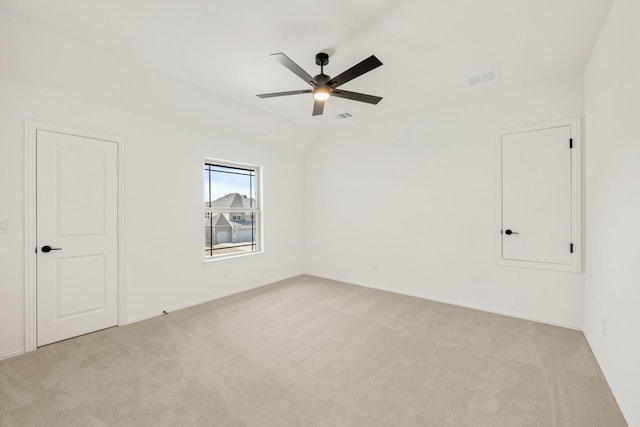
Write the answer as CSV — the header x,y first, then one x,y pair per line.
x,y
536,196
81,185
74,297
77,215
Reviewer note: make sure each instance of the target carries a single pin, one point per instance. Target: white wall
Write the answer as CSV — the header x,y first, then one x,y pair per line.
x,y
612,283
163,171
409,205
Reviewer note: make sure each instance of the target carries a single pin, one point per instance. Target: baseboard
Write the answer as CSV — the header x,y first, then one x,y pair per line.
x,y
460,303
11,353
605,374
170,309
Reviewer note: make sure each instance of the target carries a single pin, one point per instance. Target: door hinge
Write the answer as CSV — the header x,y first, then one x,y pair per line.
x,y
570,143
571,248
117,161
117,230
117,297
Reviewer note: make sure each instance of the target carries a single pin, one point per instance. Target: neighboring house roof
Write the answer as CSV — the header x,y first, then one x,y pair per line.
x,y
234,200
242,224
219,220
248,202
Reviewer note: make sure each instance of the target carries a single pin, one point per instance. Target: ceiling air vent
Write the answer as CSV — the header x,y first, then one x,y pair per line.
x,y
344,116
484,77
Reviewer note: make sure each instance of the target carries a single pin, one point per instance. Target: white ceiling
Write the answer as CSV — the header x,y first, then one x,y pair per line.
x,y
429,47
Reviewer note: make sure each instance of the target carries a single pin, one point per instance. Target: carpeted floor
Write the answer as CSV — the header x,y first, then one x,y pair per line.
x,y
313,352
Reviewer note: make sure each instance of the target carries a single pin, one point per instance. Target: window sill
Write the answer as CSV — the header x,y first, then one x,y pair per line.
x,y
230,257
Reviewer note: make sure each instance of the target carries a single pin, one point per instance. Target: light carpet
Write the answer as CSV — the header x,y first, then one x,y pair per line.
x,y
313,352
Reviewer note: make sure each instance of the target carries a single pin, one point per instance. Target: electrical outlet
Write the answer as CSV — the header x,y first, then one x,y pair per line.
x,y
4,226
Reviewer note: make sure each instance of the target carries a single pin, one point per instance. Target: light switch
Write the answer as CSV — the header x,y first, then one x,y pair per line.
x,y
4,226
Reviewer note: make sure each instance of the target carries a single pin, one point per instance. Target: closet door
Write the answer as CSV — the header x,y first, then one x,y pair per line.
x,y
538,204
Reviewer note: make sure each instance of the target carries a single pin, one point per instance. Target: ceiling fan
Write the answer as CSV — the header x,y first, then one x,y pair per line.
x,y
323,86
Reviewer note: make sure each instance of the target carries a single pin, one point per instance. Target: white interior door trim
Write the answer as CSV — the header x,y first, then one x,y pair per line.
x,y
576,189
30,222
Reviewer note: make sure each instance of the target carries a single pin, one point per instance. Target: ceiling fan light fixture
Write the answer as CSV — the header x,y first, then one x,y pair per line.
x,y
321,93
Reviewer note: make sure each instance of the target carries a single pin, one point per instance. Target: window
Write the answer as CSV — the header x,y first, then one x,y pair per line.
x,y
231,209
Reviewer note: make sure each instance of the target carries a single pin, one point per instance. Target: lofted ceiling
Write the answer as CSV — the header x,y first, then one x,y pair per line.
x,y
429,47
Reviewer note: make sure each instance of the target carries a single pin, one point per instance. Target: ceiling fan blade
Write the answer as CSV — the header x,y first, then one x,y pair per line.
x,y
291,92
357,70
355,96
295,68
318,107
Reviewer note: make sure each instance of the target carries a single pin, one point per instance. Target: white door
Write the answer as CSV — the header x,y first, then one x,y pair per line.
x,y
536,196
77,206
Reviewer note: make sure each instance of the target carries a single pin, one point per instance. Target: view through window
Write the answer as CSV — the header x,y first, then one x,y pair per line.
x,y
231,201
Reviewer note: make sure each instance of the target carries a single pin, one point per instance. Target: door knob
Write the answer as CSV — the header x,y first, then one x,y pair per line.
x,y
509,232
47,248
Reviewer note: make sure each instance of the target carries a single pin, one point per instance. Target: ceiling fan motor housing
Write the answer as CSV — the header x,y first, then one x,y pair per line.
x,y
322,58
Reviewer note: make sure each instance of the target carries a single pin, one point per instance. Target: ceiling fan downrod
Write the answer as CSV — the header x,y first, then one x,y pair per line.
x,y
322,59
